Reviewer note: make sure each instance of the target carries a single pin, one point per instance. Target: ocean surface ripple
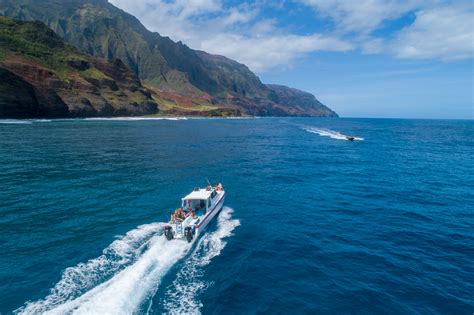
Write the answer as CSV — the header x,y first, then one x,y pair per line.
x,y
311,225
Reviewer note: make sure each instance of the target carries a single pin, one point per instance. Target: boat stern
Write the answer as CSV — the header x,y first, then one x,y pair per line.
x,y
179,231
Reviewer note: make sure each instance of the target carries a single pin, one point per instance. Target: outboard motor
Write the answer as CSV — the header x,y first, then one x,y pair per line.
x,y
168,233
188,233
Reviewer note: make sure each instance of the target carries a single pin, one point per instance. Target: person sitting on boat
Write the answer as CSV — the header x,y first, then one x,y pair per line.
x,y
219,187
172,218
175,216
193,214
179,214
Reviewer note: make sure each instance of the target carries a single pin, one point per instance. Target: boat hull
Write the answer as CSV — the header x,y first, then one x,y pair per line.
x,y
181,231
205,222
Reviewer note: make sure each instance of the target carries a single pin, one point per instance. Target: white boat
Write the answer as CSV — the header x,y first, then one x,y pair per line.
x,y
197,210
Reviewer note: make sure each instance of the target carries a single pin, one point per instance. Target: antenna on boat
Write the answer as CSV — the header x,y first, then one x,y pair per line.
x,y
208,182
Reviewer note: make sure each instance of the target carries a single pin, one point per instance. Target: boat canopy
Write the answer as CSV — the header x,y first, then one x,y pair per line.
x,y
201,194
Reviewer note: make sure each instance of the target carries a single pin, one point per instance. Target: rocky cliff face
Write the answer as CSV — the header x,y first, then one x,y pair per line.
x,y
17,97
182,79
299,101
42,76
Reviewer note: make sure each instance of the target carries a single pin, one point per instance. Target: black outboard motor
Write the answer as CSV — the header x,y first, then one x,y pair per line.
x,y
168,233
188,233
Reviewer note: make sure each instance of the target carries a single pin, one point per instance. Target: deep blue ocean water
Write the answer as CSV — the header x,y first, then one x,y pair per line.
x,y
313,224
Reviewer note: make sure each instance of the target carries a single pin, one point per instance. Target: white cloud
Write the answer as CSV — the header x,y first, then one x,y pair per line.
x,y
363,16
243,31
238,32
177,19
445,33
440,30
261,53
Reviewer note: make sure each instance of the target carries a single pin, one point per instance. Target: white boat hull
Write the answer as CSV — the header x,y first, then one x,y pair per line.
x,y
211,215
197,224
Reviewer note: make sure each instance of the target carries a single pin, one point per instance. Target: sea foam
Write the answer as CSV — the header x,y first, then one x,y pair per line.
x,y
15,122
85,276
128,273
182,296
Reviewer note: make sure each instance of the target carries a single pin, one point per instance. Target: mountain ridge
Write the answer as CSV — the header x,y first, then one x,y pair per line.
x,y
181,79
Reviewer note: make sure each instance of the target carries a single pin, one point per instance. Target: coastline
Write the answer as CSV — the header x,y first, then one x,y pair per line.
x,y
141,118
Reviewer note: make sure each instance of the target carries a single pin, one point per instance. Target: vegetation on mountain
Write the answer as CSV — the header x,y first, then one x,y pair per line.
x,y
42,76
182,80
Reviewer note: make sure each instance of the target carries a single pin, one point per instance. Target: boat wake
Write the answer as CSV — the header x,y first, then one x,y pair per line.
x,y
330,133
124,278
181,295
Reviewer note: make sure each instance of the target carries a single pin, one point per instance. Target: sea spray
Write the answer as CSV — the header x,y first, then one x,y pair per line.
x,y
181,295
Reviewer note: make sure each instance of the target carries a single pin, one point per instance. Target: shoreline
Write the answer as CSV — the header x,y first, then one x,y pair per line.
x,y
25,121
139,118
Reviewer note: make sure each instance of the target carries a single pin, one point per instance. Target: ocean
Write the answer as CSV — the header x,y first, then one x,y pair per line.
x,y
312,223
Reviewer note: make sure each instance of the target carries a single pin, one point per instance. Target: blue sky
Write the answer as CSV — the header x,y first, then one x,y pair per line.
x,y
366,58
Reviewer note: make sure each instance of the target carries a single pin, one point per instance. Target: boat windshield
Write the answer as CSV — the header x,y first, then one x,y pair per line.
x,y
194,204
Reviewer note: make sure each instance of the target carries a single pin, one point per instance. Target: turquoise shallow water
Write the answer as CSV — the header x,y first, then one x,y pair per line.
x,y
313,223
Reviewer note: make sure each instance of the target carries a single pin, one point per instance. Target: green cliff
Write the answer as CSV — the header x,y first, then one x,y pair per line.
x,y
42,76
183,80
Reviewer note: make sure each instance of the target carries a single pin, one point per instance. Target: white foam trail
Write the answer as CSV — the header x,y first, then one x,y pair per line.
x,y
126,292
181,296
77,280
128,273
330,133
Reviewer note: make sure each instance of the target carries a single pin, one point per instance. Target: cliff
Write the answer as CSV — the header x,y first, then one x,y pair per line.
x,y
42,76
182,80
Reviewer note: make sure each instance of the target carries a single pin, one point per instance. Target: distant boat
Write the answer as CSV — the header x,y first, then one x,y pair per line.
x,y
197,210
350,138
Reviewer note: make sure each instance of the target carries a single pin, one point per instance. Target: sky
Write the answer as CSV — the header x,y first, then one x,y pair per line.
x,y
365,58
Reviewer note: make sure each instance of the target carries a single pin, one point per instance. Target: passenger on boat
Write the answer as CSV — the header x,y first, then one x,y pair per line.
x,y
219,187
193,214
179,214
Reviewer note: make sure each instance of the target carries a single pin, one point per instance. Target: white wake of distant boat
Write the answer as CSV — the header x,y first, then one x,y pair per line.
x,y
128,273
330,133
